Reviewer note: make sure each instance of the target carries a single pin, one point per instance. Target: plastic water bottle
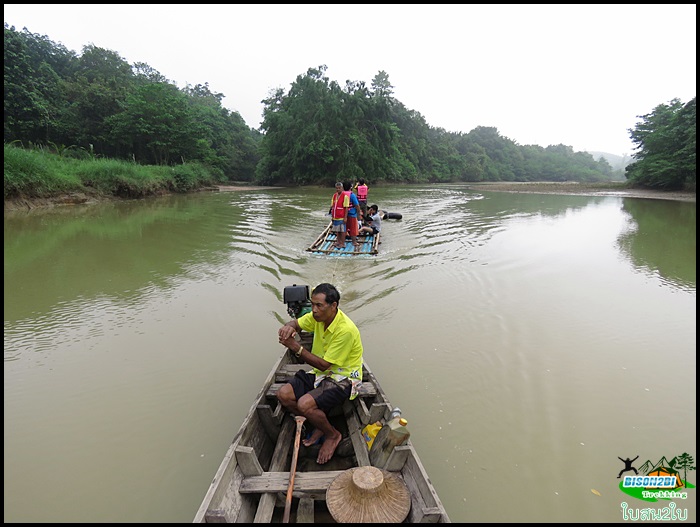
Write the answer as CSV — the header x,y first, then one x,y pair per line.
x,y
396,412
391,435
369,432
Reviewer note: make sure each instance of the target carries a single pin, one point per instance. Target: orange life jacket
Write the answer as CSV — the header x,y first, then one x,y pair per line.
x,y
338,204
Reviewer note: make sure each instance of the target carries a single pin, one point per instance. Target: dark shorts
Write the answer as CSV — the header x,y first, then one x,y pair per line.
x,y
327,395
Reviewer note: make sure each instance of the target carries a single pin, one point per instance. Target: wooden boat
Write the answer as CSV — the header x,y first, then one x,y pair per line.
x,y
252,483
324,244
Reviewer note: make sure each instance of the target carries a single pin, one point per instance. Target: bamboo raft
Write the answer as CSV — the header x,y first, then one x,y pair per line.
x,y
324,244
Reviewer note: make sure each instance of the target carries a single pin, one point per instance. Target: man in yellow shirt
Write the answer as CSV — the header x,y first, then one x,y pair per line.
x,y
337,366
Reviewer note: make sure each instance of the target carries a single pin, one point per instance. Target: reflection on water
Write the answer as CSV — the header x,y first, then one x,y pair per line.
x,y
114,249
662,232
521,334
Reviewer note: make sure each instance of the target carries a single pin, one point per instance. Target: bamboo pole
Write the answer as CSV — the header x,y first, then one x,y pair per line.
x,y
321,236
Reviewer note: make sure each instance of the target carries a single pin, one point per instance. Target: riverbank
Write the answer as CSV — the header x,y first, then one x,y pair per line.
x,y
84,198
582,189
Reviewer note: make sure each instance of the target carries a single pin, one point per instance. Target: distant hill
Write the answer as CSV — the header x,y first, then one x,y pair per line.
x,y
616,162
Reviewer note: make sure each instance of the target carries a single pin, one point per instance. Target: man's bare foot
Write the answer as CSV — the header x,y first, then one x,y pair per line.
x,y
328,448
315,436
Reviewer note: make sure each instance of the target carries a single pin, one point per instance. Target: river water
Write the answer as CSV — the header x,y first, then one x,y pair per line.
x,y
530,340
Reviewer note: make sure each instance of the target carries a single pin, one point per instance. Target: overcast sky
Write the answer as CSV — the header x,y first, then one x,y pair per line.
x,y
578,75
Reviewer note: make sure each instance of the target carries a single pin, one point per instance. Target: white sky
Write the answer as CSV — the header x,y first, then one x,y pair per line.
x,y
578,75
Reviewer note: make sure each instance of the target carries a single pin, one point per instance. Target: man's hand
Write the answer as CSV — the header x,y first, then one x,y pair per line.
x,y
286,331
286,336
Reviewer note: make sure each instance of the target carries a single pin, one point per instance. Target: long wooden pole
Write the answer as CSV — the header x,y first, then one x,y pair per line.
x,y
321,236
292,471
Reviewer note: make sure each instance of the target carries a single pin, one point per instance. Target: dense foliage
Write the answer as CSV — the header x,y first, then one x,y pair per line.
x,y
96,105
320,132
666,143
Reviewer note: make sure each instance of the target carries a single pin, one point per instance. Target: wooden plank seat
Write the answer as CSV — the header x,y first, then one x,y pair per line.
x,y
306,484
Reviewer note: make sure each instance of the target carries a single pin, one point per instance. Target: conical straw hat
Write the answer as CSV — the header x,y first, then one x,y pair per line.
x,y
368,495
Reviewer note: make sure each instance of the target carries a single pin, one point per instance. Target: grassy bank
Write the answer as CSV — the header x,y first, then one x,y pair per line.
x,y
40,174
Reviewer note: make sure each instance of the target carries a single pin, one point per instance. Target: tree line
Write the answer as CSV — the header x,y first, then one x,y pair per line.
x,y
665,140
95,104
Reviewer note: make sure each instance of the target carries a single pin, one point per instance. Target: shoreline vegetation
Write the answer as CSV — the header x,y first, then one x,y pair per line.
x,y
582,189
92,127
40,179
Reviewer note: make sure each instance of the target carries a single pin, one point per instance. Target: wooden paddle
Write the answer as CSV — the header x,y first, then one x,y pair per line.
x,y
292,471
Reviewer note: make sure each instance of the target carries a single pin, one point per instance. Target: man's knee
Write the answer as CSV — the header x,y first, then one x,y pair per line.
x,y
306,403
285,394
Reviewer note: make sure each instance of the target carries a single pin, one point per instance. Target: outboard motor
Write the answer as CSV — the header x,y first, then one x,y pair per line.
x,y
297,299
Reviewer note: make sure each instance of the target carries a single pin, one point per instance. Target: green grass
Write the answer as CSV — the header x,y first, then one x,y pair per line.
x,y
36,173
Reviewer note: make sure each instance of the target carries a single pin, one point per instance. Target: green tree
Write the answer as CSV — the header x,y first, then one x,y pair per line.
x,y
100,85
502,152
231,145
156,126
381,87
666,144
144,73
303,132
34,95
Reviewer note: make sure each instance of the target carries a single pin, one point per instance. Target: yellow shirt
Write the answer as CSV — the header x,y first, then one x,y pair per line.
x,y
340,345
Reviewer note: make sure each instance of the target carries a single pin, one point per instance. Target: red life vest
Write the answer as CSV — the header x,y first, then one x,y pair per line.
x,y
338,204
362,192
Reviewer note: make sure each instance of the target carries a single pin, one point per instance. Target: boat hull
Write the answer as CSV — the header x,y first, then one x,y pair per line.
x,y
251,483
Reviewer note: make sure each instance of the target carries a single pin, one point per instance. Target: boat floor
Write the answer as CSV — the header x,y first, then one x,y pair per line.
x,y
325,244
341,460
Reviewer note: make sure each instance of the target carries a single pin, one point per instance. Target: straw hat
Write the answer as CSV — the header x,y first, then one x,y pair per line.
x,y
368,495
